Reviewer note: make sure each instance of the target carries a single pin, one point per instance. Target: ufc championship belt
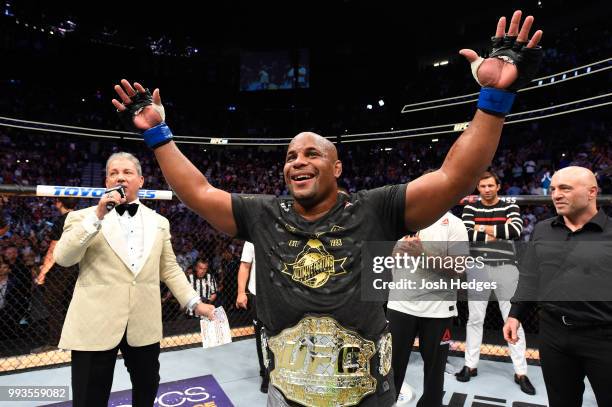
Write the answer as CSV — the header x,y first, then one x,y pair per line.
x,y
318,362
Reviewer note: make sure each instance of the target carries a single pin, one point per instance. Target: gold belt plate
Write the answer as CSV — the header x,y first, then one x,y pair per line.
x,y
317,362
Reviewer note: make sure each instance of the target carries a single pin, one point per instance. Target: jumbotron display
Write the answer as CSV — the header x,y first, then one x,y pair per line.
x,y
274,70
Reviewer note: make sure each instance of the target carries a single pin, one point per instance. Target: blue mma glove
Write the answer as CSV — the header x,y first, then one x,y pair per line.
x,y
155,136
527,61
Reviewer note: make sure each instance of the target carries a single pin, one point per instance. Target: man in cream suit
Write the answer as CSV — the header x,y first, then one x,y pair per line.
x,y
123,254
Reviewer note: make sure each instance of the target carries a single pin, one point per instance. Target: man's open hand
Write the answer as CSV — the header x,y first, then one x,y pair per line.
x,y
146,116
499,71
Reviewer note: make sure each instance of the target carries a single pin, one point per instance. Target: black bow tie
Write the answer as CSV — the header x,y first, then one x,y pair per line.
x,y
131,208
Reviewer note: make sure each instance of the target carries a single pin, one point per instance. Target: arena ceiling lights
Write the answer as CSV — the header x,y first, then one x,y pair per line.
x,y
436,130
557,78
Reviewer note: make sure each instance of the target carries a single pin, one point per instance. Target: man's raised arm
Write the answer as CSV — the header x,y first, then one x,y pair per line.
x,y
512,64
143,112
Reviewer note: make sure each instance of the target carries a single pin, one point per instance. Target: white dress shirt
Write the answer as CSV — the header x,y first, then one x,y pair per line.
x,y
248,256
448,228
132,231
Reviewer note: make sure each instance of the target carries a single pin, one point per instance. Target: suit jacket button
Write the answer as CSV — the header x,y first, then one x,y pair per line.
x,y
133,282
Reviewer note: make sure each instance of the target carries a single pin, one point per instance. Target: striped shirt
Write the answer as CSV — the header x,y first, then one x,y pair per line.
x,y
205,287
507,222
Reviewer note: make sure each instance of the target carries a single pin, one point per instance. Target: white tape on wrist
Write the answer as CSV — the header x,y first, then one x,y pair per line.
x,y
474,66
160,109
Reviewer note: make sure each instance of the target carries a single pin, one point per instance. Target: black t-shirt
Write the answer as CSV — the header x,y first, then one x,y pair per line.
x,y
314,267
58,227
559,265
68,280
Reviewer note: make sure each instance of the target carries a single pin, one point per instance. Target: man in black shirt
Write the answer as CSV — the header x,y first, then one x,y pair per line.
x,y
60,283
64,205
328,346
575,333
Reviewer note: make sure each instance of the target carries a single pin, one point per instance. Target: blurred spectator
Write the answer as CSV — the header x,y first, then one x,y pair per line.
x,y
527,230
545,182
514,189
23,282
4,225
9,302
187,256
228,286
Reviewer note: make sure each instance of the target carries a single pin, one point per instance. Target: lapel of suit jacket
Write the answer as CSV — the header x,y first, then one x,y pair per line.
x,y
149,230
111,229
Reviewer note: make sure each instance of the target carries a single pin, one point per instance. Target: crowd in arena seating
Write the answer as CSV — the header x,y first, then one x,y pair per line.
x,y
524,158
35,159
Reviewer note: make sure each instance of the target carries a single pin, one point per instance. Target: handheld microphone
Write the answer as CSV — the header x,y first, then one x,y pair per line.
x,y
118,188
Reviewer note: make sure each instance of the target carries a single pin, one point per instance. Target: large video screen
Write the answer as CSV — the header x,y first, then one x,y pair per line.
x,y
274,70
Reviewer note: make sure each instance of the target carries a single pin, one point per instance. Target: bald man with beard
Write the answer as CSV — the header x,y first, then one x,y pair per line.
x,y
327,346
571,280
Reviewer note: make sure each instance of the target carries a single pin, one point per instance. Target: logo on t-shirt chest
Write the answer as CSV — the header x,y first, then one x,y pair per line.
x,y
314,265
